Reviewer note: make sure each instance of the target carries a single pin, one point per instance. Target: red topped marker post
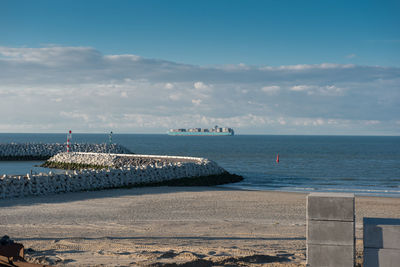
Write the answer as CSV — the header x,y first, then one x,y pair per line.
x,y
69,137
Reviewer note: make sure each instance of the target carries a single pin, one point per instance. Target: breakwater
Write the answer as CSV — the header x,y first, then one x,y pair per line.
x,y
127,160
37,151
119,171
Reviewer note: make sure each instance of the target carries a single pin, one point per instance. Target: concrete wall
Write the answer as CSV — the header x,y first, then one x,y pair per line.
x,y
330,230
381,242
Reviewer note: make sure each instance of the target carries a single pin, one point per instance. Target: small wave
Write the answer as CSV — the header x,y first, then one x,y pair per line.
x,y
347,179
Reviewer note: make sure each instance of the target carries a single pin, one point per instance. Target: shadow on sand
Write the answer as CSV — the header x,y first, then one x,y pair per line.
x,y
106,193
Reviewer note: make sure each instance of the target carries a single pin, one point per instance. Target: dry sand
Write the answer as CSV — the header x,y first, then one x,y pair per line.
x,y
199,226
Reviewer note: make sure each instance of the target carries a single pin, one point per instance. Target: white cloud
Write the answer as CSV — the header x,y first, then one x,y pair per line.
x,y
175,97
282,121
51,56
301,88
371,122
169,86
303,67
75,115
272,89
196,101
122,57
331,90
200,85
58,86
318,122
327,90
231,67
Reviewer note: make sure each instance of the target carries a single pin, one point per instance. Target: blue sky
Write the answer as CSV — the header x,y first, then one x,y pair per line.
x,y
265,67
214,32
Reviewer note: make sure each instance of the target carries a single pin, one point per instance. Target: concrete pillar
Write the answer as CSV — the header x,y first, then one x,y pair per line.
x,y
330,230
381,242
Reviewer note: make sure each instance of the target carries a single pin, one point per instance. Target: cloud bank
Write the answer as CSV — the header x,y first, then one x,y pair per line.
x,y
52,89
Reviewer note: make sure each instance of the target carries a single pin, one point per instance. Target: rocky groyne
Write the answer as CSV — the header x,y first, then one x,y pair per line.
x,y
124,160
117,170
37,151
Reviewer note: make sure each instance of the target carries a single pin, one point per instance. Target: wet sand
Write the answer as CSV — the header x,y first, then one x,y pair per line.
x,y
200,226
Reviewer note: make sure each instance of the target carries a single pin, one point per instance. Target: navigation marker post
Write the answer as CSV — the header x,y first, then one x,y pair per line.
x,y
110,137
69,137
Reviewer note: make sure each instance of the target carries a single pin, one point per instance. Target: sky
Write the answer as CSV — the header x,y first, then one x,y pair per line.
x,y
261,67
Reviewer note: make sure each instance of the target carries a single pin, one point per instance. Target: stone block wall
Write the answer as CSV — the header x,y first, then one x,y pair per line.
x,y
330,230
381,242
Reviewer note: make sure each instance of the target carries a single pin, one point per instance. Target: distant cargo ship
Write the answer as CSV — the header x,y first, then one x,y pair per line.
x,y
216,131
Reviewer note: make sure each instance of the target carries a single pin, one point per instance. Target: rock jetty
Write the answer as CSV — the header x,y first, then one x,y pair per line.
x,y
37,151
118,170
124,160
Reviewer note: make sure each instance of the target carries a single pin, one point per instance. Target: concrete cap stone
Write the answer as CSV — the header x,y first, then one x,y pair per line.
x,y
381,233
323,194
330,206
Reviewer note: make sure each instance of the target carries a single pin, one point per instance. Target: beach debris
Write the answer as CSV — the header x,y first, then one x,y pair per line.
x,y
5,240
12,254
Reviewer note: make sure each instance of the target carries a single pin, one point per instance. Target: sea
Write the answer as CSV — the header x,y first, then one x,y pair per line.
x,y
364,165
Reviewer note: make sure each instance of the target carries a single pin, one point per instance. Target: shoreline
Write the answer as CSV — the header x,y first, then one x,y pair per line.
x,y
357,194
159,225
229,186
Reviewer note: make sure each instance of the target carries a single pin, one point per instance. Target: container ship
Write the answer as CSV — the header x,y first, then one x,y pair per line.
x,y
216,131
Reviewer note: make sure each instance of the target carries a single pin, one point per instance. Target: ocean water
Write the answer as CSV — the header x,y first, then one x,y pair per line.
x,y
364,165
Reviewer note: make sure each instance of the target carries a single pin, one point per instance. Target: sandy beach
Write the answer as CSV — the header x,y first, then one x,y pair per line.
x,y
195,226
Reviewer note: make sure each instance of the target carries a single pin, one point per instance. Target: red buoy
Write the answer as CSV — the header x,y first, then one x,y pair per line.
x,y
277,158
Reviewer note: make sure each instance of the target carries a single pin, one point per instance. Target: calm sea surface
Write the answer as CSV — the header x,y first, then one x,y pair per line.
x,y
364,165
